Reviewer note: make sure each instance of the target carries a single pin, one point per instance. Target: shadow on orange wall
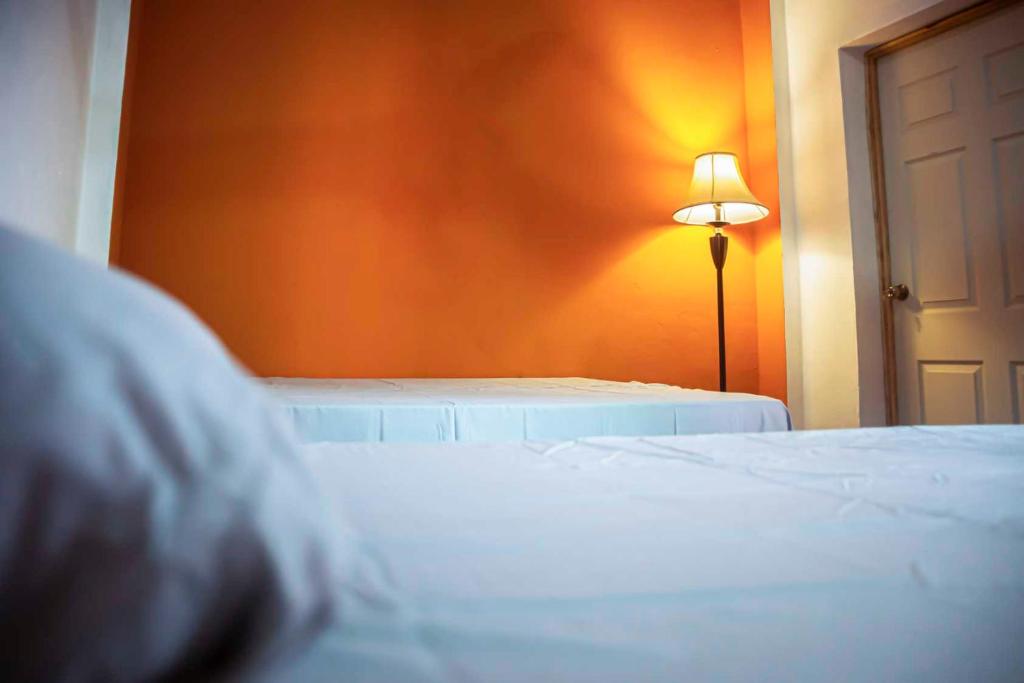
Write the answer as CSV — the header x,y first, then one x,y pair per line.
x,y
440,189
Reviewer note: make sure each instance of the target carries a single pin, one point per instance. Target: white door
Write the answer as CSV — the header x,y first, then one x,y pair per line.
x,y
953,135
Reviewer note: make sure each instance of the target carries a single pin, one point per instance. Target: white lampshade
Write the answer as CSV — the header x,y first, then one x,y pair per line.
x,y
718,195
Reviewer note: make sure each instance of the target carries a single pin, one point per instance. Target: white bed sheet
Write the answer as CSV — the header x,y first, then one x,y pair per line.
x,y
426,410
861,555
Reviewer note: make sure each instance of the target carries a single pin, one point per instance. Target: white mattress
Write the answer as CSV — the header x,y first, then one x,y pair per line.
x,y
425,410
864,555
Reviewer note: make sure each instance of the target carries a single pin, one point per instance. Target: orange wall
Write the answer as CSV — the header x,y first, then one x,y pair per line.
x,y
763,178
399,188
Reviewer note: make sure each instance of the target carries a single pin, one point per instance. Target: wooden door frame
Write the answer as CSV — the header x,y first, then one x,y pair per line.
x,y
877,163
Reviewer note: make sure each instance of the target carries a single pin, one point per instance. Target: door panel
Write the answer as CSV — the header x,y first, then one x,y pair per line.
x,y
927,98
951,393
1009,182
1004,72
1017,380
940,246
952,115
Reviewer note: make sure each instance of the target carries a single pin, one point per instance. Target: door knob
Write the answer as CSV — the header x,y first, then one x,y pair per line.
x,y
897,292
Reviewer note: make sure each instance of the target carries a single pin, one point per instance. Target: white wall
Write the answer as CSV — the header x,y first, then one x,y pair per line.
x,y
99,157
61,78
832,305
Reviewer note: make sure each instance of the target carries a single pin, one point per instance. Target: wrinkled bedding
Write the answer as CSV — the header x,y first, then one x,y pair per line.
x,y
861,555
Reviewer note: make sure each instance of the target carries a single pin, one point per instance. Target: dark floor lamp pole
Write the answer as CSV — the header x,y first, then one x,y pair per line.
x,y
719,250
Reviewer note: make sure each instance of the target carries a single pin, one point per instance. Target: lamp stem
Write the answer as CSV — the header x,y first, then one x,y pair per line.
x,y
719,250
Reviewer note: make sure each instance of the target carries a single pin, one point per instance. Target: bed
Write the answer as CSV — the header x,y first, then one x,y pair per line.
x,y
854,555
428,410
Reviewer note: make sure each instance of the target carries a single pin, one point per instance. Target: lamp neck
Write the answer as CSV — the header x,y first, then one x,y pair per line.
x,y
719,242
719,221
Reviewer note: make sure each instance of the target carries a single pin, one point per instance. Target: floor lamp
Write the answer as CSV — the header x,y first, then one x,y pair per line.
x,y
719,197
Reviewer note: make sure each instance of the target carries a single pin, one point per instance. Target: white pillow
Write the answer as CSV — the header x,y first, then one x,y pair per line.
x,y
155,521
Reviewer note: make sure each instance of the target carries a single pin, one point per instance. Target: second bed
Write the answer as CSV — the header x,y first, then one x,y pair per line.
x,y
509,409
